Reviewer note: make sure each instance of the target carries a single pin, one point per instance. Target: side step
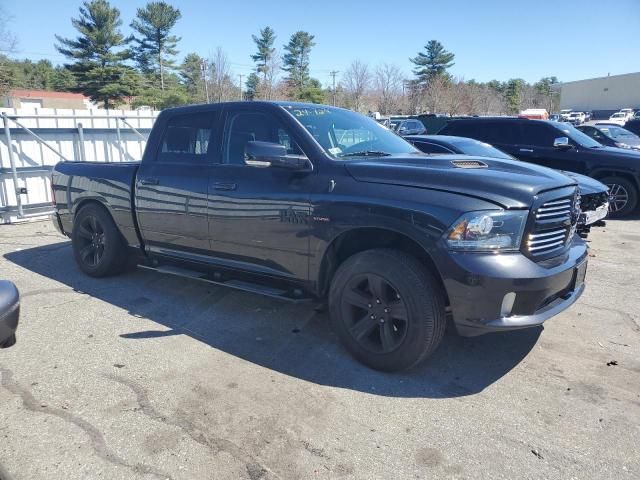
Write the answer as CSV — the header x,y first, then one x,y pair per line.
x,y
294,295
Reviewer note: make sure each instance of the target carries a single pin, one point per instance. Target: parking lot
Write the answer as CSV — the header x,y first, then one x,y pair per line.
x,y
152,377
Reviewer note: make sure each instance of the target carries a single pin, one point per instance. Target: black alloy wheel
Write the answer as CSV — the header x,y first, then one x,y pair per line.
x,y
374,313
92,241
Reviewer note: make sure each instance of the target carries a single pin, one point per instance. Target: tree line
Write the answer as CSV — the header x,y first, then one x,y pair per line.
x,y
142,69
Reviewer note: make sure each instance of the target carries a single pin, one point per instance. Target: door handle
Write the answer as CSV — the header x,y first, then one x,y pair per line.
x,y
149,181
526,150
224,186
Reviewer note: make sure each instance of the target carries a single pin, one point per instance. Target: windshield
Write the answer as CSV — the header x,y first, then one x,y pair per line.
x,y
618,115
576,135
618,132
480,149
344,134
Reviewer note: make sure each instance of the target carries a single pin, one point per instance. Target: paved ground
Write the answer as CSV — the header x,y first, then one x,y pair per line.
x,y
145,376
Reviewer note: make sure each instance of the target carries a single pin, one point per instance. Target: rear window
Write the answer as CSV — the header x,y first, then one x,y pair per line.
x,y
488,132
187,138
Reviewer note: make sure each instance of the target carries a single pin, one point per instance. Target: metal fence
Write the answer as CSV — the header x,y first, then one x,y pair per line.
x,y
32,142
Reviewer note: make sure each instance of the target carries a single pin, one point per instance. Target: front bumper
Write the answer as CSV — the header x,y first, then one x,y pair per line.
x,y
498,292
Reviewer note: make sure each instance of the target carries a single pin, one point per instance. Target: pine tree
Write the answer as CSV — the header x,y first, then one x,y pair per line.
x,y
251,86
191,77
435,61
296,60
99,53
156,47
265,52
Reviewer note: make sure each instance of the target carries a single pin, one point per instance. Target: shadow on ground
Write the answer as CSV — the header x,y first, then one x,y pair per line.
x,y
287,338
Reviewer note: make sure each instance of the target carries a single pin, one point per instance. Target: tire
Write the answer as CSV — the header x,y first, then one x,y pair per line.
x,y
401,330
627,194
98,247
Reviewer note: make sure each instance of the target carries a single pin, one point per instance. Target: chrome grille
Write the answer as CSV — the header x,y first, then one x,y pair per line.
x,y
553,226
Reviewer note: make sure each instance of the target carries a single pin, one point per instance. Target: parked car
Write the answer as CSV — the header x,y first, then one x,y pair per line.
x,y
633,126
576,118
564,114
562,146
619,118
304,201
587,116
410,127
612,135
555,117
594,196
9,313
636,116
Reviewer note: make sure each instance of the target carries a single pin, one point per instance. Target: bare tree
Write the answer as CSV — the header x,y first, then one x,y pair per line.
x,y
7,45
356,81
269,84
220,82
388,81
435,93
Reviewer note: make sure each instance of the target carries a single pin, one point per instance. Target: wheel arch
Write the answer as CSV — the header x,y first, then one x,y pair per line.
x,y
360,239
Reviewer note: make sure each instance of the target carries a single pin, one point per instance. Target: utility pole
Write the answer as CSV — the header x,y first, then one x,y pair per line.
x,y
333,73
203,67
240,75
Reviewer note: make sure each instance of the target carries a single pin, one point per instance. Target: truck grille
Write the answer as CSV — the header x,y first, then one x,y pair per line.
x,y
553,226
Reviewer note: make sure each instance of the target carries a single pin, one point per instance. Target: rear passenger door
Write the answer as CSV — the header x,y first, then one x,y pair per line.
x,y
259,217
172,185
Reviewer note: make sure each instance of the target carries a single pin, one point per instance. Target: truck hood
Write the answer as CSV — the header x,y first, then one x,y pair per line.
x,y
510,184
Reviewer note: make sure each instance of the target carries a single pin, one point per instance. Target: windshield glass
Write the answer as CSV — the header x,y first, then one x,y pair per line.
x,y
344,134
618,132
480,149
576,135
618,115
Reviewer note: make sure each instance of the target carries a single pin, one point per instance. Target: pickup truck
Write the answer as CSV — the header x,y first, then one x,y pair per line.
x,y
309,202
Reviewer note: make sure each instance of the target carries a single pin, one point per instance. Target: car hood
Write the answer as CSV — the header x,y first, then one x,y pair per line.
x,y
588,185
508,183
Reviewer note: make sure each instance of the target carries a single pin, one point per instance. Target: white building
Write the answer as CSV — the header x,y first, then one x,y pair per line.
x,y
604,94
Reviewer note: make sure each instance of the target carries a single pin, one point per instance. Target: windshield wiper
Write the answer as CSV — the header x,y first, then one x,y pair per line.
x,y
366,153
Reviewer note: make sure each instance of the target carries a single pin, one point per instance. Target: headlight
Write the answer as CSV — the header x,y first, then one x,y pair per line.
x,y
488,230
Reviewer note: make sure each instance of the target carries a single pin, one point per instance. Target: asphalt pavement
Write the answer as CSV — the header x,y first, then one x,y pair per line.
x,y
145,376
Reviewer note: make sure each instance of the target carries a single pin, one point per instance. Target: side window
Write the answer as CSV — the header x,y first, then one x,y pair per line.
x,y
247,127
431,148
538,135
187,138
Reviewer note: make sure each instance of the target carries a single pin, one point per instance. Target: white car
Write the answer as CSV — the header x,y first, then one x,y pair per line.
x,y
619,118
564,115
576,118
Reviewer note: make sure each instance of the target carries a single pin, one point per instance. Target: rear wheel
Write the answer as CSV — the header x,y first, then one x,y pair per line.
x,y
387,309
624,196
98,247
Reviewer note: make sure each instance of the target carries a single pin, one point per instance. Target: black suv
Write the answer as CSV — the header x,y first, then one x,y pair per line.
x,y
560,146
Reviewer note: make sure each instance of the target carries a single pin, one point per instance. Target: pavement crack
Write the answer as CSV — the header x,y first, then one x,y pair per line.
x,y
214,443
95,436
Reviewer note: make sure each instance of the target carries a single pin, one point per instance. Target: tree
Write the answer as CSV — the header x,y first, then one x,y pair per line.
x,y
312,92
252,86
388,84
356,80
156,46
433,62
512,95
296,61
265,52
99,53
7,44
192,78
221,86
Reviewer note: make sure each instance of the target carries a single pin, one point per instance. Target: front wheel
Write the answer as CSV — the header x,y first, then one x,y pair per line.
x,y
623,196
387,309
98,247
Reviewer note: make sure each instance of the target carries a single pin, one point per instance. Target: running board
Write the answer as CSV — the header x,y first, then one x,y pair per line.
x,y
295,295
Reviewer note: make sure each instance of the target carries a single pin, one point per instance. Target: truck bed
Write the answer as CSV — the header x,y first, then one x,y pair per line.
x,y
111,184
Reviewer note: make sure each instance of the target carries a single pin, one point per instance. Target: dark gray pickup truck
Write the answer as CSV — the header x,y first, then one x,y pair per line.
x,y
301,201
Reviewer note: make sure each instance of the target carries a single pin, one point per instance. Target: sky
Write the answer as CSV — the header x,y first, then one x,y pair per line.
x,y
491,39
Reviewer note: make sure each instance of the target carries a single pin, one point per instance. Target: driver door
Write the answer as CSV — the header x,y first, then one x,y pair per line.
x,y
259,217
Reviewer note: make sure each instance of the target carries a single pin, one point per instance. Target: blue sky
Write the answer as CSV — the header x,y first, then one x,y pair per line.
x,y
499,39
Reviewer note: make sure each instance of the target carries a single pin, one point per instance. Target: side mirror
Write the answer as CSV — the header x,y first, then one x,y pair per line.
x,y
269,154
9,313
562,143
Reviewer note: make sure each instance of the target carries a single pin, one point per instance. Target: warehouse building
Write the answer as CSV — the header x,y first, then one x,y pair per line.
x,y
32,99
602,96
